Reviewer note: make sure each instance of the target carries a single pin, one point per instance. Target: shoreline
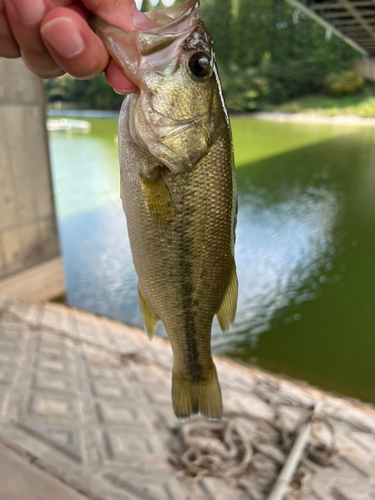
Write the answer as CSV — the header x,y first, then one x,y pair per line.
x,y
311,118
278,116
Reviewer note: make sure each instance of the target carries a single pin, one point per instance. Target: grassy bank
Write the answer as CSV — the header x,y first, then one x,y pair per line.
x,y
362,105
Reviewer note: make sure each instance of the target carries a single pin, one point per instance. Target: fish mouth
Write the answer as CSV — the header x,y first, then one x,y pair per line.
x,y
172,23
160,50
129,49
172,16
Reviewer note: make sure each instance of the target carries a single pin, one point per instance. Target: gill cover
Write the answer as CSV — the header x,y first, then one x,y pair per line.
x,y
170,114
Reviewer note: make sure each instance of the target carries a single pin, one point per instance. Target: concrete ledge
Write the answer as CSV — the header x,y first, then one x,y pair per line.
x,y
43,282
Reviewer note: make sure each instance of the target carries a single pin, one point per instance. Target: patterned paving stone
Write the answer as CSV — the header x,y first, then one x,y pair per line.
x,y
145,484
247,403
343,483
90,400
222,489
91,329
121,412
28,312
61,439
57,318
128,446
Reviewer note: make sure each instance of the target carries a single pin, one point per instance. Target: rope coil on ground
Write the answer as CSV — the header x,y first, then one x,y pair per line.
x,y
251,452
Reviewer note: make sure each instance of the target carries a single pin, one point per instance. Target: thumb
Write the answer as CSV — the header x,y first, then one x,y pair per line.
x,y
125,15
121,13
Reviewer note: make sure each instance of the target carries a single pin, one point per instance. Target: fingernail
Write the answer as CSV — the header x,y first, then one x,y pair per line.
x,y
52,73
63,35
124,92
30,11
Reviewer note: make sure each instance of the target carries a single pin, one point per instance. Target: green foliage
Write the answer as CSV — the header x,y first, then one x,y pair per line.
x,y
268,52
146,6
286,48
217,16
293,79
244,90
251,32
94,93
343,83
59,89
254,88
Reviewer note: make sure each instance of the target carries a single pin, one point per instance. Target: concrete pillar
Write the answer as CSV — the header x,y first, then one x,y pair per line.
x,y
30,262
365,68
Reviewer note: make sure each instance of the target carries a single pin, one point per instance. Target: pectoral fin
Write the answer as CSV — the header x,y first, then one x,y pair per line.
x,y
150,320
158,198
227,311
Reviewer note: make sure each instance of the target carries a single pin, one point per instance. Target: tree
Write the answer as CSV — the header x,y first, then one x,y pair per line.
x,y
217,16
95,93
267,50
253,32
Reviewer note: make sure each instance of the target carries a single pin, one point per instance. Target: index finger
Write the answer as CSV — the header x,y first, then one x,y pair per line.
x,y
125,15
117,12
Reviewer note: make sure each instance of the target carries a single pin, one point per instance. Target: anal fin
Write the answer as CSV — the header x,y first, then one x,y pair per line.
x,y
150,320
227,310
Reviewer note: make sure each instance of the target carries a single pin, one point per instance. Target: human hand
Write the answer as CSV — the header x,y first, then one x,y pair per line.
x,y
53,36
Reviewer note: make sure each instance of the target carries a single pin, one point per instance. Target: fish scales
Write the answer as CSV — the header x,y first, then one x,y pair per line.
x,y
179,196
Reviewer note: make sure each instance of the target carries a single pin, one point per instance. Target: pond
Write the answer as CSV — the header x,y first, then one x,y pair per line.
x,y
305,248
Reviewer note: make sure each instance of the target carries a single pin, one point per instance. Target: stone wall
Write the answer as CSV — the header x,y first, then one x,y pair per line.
x,y
28,230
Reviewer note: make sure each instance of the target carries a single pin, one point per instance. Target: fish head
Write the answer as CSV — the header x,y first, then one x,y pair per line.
x,y
173,65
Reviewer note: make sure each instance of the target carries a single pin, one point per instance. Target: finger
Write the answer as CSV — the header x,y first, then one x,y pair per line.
x,y
118,12
121,13
73,45
125,15
24,17
116,79
8,45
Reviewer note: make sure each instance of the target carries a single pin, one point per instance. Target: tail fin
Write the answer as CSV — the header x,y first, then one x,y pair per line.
x,y
197,396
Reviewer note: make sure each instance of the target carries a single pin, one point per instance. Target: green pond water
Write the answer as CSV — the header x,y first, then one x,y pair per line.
x,y
305,246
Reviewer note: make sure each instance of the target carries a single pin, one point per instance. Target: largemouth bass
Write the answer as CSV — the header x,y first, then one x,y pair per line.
x,y
179,192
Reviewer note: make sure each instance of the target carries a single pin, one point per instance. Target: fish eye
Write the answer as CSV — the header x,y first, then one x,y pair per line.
x,y
200,65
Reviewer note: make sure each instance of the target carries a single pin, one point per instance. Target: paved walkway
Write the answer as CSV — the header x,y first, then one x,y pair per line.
x,y
85,410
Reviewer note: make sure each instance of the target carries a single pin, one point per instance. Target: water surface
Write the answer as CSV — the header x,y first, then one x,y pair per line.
x,y
305,245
